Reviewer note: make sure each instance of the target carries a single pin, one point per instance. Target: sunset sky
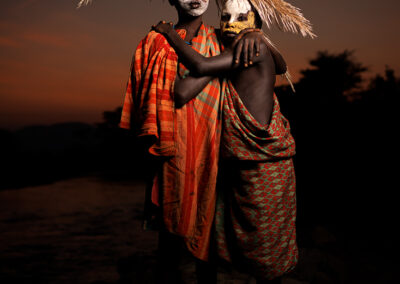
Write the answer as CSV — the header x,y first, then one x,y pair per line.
x,y
60,64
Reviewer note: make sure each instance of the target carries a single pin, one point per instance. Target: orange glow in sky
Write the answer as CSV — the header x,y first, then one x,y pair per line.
x,y
60,64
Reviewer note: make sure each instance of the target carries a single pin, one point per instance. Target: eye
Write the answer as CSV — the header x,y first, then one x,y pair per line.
x,y
242,17
225,17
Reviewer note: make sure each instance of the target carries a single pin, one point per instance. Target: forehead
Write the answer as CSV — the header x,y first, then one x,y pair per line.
x,y
236,7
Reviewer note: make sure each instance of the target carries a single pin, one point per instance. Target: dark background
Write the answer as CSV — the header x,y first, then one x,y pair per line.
x,y
346,166
61,156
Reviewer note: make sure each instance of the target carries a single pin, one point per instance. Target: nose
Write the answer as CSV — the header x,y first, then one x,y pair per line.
x,y
231,20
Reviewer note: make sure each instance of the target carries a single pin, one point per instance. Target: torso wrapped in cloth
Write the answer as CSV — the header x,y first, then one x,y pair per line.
x,y
256,204
187,138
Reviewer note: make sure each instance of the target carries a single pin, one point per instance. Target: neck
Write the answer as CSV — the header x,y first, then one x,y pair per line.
x,y
190,24
228,42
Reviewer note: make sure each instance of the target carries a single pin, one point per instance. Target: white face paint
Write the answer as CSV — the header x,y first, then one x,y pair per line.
x,y
236,15
234,8
194,8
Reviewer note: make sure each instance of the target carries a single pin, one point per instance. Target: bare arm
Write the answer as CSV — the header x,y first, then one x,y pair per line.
x,y
280,63
246,44
188,88
195,62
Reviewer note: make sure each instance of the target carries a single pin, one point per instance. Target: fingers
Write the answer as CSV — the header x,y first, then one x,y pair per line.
x,y
248,45
237,39
243,32
161,26
245,53
257,46
238,51
251,51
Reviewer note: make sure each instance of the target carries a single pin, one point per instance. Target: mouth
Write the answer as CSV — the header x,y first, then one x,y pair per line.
x,y
230,34
194,5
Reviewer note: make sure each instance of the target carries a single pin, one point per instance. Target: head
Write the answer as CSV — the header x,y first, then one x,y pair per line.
x,y
237,15
194,8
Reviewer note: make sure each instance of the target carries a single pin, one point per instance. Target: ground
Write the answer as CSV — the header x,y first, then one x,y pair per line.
x,y
88,230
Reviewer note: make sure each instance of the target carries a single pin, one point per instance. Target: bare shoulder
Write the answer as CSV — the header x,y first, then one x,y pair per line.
x,y
265,50
265,55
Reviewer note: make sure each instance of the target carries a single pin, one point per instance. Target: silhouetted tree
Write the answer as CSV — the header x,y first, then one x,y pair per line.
x,y
331,77
383,89
331,135
111,119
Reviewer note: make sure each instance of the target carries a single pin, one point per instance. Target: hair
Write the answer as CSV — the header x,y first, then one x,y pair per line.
x,y
258,19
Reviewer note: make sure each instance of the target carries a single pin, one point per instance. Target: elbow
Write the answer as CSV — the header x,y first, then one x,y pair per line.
x,y
179,99
199,70
281,66
281,70
179,103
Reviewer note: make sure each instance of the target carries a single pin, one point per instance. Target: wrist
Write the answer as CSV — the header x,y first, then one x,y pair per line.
x,y
169,32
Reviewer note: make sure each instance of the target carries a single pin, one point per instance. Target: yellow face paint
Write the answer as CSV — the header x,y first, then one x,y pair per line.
x,y
237,26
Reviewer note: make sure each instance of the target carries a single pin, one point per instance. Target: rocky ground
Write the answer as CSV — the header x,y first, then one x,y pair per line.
x,y
87,230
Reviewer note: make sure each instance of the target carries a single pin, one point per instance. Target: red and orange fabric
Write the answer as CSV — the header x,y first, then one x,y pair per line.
x,y
189,136
256,205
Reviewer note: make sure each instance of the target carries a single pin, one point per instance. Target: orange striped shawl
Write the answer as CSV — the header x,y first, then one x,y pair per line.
x,y
190,135
148,107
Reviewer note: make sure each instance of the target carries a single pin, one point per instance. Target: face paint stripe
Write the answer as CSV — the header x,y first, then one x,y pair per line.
x,y
238,26
186,5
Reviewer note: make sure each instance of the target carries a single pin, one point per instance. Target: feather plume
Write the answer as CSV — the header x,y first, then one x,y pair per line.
x,y
286,16
288,77
83,3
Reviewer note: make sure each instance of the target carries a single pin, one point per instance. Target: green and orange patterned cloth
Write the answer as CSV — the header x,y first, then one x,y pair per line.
x,y
256,204
189,136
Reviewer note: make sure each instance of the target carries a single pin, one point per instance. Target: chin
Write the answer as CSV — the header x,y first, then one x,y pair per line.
x,y
196,13
228,39
229,35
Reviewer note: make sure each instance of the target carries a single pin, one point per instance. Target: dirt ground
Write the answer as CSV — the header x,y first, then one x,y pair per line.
x,y
88,230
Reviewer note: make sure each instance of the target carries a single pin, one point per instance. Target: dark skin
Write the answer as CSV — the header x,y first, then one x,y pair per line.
x,y
169,244
254,80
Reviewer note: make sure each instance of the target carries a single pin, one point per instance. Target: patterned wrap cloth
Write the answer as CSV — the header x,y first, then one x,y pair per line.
x,y
256,203
188,136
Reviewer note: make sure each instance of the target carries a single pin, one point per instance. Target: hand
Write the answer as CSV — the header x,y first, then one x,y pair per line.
x,y
163,28
247,44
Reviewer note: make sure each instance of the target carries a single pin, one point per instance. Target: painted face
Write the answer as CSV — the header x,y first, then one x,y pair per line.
x,y
194,8
236,15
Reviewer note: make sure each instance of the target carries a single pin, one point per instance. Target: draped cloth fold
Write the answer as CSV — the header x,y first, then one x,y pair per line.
x,y
189,136
256,204
148,107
